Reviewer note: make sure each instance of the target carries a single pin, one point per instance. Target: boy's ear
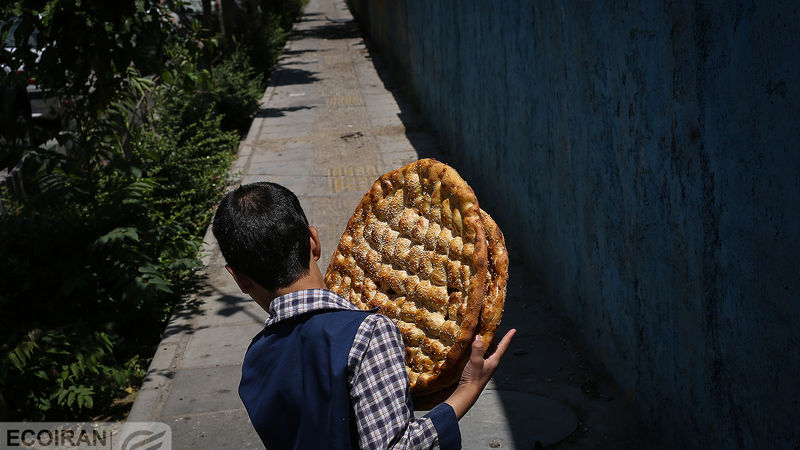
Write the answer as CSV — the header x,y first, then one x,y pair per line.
x,y
316,247
243,281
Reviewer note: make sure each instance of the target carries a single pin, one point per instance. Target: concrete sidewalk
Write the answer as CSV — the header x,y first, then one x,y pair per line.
x,y
329,126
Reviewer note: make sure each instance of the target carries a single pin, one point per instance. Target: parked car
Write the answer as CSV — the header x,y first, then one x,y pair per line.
x,y
20,98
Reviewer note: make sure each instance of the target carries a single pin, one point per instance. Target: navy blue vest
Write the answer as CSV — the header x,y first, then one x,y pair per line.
x,y
294,383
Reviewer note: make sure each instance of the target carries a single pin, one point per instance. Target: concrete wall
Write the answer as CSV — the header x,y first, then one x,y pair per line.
x,y
644,158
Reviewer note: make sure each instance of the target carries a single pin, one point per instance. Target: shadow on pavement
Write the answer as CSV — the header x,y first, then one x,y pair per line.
x,y
234,305
284,76
287,53
334,29
279,112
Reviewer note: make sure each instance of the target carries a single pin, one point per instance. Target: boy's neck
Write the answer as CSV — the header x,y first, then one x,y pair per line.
x,y
300,285
312,280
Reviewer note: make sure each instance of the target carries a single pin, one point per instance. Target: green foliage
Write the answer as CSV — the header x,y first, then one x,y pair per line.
x,y
261,28
102,248
86,45
178,155
230,89
64,371
285,11
236,91
263,40
105,236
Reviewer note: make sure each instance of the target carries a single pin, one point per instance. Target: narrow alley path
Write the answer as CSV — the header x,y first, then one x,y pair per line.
x,y
328,127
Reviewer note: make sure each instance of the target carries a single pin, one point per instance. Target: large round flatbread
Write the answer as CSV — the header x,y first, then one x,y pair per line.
x,y
416,249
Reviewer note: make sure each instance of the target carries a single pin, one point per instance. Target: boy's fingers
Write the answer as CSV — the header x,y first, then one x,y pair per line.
x,y
503,345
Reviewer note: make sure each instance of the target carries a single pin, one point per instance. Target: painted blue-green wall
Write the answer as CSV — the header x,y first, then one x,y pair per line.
x,y
644,159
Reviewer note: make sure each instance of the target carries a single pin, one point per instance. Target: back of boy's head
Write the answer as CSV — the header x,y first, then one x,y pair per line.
x,y
263,233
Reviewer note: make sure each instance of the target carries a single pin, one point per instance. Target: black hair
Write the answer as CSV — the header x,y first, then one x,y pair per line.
x,y
263,233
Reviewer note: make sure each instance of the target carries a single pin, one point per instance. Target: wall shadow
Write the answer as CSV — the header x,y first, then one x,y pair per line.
x,y
548,360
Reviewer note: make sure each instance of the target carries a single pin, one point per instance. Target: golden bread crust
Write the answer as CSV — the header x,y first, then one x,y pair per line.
x,y
494,299
415,248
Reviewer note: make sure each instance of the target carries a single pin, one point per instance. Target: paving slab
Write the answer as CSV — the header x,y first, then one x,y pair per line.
x,y
218,430
514,419
219,345
501,419
202,390
227,309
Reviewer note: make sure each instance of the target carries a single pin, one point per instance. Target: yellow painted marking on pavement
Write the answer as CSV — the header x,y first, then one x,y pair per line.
x,y
344,100
352,178
337,59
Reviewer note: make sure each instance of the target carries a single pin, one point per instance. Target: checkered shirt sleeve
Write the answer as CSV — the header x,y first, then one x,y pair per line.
x,y
379,390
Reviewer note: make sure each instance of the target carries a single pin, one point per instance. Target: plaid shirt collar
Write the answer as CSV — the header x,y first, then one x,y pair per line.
x,y
301,302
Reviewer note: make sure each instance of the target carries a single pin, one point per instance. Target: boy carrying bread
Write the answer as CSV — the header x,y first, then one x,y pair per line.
x,y
323,373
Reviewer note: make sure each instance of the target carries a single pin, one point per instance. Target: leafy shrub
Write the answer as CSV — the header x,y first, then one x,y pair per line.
x,y
262,41
104,237
99,250
285,11
262,27
236,91
190,163
231,88
66,370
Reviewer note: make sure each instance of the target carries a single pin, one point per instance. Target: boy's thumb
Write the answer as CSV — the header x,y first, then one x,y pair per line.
x,y
477,348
